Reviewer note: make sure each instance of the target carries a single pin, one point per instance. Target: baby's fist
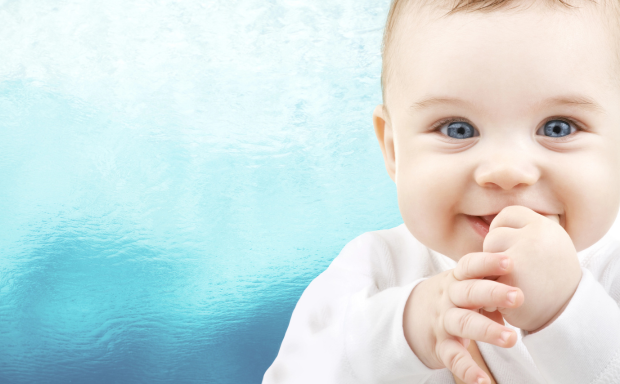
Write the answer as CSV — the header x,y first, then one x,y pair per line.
x,y
546,267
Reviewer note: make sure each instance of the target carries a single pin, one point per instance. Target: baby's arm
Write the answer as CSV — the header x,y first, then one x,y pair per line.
x,y
348,325
582,345
571,312
440,320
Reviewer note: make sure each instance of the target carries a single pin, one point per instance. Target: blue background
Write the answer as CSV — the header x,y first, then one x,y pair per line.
x,y
173,174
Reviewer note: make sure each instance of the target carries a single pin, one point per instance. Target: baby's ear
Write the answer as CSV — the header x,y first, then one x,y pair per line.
x,y
383,130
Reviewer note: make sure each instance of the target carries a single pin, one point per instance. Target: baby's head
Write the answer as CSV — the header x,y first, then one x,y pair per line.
x,y
493,103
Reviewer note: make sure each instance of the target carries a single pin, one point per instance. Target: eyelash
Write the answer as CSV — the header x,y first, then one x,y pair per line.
x,y
437,127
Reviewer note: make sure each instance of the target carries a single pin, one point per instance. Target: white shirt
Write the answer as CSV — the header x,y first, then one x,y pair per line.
x,y
348,325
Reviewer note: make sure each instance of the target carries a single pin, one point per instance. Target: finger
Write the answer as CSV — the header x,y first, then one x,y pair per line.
x,y
499,239
480,293
554,218
459,361
515,216
464,342
469,324
518,216
481,264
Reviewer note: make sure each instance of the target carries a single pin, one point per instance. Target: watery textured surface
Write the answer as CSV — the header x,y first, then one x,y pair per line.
x,y
173,174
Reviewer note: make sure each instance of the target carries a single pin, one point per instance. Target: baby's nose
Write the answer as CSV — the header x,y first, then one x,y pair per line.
x,y
506,172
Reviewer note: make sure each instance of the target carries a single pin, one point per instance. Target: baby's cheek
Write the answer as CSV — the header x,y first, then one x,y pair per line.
x,y
418,212
590,217
435,225
430,196
587,191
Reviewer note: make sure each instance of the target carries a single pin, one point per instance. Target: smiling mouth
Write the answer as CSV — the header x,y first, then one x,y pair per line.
x,y
480,224
488,218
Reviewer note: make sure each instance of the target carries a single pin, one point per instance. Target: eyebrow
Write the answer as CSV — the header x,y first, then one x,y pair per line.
x,y
570,100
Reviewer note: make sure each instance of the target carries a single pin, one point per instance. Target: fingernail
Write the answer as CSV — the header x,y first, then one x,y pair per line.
x,y
480,380
504,263
512,296
505,335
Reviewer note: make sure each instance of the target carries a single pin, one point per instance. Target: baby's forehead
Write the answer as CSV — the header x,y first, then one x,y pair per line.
x,y
408,19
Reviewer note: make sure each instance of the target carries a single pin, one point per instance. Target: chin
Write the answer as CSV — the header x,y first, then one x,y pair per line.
x,y
456,246
462,250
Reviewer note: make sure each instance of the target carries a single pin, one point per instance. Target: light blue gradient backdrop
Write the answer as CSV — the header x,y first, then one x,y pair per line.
x,y
173,174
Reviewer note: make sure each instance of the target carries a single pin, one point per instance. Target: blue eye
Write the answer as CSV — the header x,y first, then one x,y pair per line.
x,y
557,128
458,130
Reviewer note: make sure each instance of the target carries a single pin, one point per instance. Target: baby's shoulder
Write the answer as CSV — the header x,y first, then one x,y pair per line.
x,y
389,254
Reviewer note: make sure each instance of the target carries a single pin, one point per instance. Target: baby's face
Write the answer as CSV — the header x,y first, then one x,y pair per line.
x,y
499,109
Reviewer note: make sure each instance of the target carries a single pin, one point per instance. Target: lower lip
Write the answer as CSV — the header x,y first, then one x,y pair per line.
x,y
478,225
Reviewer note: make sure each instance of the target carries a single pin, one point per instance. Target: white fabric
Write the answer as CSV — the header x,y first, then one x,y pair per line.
x,y
347,326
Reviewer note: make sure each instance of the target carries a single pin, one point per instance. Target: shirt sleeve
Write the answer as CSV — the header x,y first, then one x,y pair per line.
x,y
347,326
583,344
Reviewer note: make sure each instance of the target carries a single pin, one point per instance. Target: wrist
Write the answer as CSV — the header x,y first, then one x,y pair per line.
x,y
553,318
414,327
558,313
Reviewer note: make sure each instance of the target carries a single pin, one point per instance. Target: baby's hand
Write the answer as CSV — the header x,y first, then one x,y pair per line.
x,y
441,314
546,266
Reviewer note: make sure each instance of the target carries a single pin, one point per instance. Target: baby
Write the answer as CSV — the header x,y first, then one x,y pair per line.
x,y
500,126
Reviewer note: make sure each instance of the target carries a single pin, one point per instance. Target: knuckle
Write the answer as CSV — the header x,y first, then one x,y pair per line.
x,y
450,278
460,364
453,359
467,266
457,360
464,322
469,292
495,293
469,371
487,331
451,275
443,352
464,266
